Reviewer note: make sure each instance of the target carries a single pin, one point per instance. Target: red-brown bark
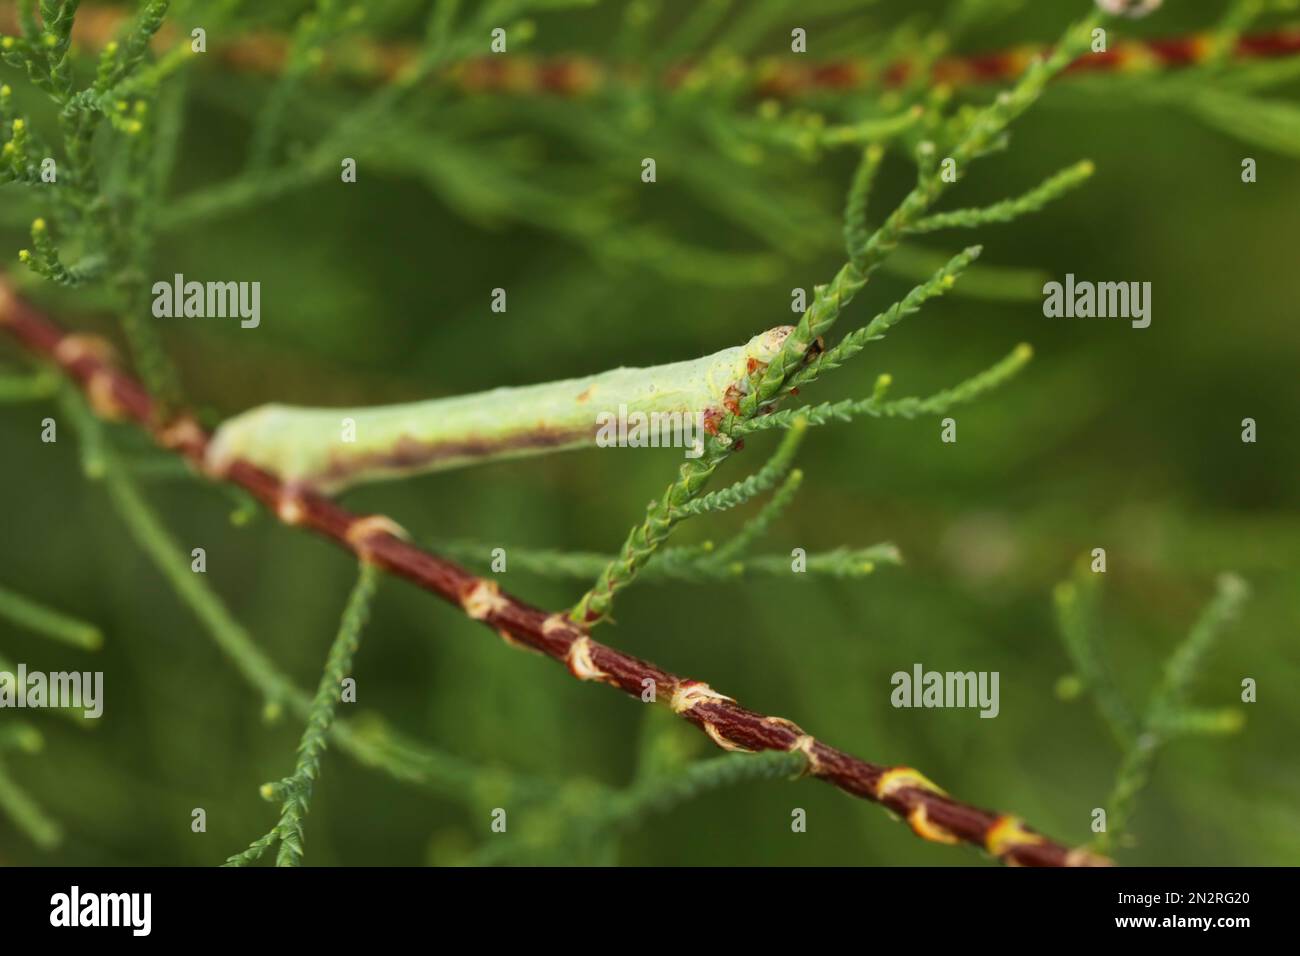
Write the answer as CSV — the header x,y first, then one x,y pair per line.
x,y
932,814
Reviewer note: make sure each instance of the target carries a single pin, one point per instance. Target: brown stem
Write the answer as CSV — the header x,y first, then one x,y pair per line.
x,y
932,814
572,75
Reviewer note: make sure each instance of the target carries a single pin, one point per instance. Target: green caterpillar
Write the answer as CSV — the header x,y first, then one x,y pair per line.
x,y
328,450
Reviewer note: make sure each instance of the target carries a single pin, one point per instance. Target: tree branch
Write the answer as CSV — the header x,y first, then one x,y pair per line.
x,y
574,75
932,813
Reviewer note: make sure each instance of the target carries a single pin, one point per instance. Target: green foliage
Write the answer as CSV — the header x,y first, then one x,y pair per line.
x,y
365,739
697,564
116,131
295,791
15,803
658,794
1166,714
1273,124
757,483
941,282
583,822
109,227
877,406
1010,209
964,138
19,736
15,389
53,624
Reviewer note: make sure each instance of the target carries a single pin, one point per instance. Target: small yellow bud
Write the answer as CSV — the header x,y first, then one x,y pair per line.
x,y
1069,687
110,48
1087,167
50,40
38,225
9,149
267,791
133,127
949,281
7,43
121,106
5,91
866,567
1024,352
19,126
883,381
24,255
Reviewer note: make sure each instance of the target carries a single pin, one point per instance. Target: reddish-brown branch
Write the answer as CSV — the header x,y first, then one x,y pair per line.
x,y
577,75
932,814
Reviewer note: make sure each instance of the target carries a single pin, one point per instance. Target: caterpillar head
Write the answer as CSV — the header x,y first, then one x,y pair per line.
x,y
764,346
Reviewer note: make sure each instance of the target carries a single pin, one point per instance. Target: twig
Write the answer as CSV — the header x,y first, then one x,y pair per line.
x,y
24,812
295,791
27,814
574,75
1167,714
1167,703
56,625
383,748
931,812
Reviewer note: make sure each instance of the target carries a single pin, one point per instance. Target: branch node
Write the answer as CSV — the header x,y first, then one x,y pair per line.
x,y
806,745
182,434
688,693
1082,857
76,346
726,744
557,623
896,778
580,662
920,823
481,599
102,397
1007,833
289,507
363,529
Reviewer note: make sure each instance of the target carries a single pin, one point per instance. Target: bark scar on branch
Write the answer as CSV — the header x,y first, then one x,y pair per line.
x,y
931,813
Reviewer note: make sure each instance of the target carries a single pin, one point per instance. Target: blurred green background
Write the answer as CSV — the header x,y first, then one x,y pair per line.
x,y
379,291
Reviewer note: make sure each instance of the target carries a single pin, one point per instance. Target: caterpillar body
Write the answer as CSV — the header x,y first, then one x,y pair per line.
x,y
312,448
